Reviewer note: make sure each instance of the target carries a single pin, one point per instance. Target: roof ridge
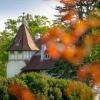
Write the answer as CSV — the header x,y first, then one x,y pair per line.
x,y
30,40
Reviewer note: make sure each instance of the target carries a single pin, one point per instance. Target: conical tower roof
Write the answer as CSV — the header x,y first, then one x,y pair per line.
x,y
23,41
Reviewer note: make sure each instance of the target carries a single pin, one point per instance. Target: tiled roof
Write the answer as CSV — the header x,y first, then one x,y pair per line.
x,y
36,65
23,41
39,42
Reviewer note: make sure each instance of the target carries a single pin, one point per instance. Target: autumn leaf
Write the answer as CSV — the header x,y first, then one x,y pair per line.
x,y
20,92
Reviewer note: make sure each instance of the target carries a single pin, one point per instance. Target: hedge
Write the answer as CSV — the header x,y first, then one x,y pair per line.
x,y
54,89
3,89
48,88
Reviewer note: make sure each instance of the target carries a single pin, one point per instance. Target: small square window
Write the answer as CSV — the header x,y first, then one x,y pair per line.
x,y
19,51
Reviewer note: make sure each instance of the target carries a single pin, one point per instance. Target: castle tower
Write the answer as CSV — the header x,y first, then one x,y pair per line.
x,y
22,49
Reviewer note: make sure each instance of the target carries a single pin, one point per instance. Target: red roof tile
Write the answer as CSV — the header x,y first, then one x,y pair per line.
x,y
23,41
39,42
36,65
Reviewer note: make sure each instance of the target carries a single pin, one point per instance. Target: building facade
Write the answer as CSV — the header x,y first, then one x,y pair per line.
x,y
26,54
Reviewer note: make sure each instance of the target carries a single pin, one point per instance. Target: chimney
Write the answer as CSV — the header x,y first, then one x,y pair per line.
x,y
37,36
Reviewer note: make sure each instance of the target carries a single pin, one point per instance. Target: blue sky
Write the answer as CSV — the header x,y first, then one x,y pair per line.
x,y
14,8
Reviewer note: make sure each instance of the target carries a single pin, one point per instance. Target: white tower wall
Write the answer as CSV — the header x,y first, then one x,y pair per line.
x,y
25,55
14,68
17,61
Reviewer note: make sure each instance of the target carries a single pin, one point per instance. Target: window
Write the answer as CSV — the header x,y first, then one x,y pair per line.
x,y
18,42
19,51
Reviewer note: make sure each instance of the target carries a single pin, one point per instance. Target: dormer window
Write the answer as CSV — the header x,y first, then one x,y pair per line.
x,y
18,42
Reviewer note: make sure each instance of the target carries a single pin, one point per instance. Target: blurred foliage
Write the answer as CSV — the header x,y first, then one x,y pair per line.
x,y
48,88
65,70
76,90
94,55
83,8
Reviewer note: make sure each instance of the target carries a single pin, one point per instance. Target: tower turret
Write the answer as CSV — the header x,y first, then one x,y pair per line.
x,y
21,50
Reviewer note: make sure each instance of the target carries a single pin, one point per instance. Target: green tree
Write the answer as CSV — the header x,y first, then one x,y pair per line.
x,y
83,7
11,25
35,24
63,69
39,24
95,53
5,39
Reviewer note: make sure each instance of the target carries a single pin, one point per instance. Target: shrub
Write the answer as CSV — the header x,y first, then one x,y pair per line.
x,y
4,94
3,89
48,88
76,90
94,55
36,82
2,69
56,87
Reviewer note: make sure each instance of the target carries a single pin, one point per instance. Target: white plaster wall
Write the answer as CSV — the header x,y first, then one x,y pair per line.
x,y
25,55
16,62
14,68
